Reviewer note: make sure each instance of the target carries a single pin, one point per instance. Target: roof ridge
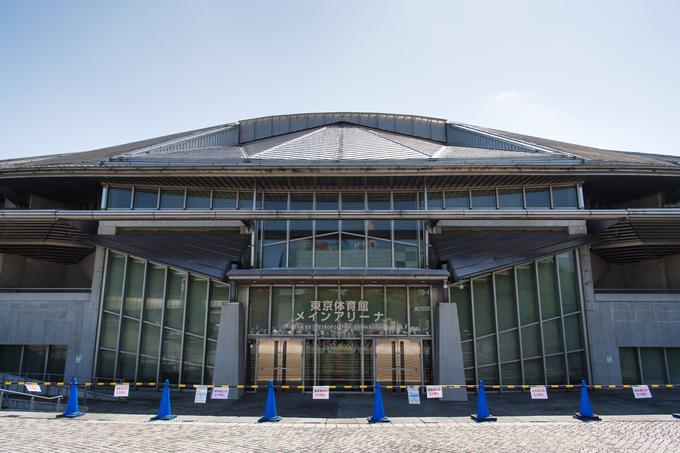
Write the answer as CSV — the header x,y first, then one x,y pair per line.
x,y
293,140
376,133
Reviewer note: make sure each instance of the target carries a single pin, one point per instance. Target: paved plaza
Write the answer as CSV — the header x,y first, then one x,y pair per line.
x,y
30,432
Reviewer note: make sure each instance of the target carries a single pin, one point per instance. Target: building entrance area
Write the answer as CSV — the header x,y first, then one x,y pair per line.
x,y
340,362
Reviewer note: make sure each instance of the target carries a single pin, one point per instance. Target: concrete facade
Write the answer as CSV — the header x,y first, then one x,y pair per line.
x,y
448,352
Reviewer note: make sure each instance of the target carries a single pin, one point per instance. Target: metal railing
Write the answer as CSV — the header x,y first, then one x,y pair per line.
x,y
32,398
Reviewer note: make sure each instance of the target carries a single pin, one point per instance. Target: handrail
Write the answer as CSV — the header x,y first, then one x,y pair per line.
x,y
32,395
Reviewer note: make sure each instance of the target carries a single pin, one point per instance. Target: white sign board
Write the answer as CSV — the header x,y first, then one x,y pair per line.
x,y
539,392
641,391
33,387
121,391
320,392
413,395
434,391
201,394
220,393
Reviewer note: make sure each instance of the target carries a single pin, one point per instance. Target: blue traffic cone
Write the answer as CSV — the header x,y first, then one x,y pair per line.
x,y
378,408
270,409
164,410
482,407
72,404
586,412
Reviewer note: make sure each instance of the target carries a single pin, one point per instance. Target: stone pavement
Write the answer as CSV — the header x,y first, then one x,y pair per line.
x,y
31,431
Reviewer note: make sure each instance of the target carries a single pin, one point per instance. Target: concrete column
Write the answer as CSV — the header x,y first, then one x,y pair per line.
x,y
449,352
601,335
229,356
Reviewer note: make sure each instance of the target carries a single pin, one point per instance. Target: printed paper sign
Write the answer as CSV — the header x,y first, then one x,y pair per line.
x,y
121,390
641,391
220,393
33,387
201,394
434,391
539,392
320,392
413,395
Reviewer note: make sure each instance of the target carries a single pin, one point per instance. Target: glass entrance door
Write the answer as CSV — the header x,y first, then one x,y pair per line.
x,y
279,360
398,362
339,362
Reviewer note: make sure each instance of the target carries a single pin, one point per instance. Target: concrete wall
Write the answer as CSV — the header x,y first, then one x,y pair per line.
x,y
66,318
616,320
20,272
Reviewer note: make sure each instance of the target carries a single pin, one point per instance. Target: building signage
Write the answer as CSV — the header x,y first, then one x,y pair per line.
x,y
201,394
434,391
320,392
220,393
539,392
32,387
641,391
121,391
413,395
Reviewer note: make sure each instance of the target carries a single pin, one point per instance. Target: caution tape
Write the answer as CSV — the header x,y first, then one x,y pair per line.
x,y
345,387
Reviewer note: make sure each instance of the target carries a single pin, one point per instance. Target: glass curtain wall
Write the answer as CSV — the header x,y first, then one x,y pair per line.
x,y
157,323
650,365
38,362
524,325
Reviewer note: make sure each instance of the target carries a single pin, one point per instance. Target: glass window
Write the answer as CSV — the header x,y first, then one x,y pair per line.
x,y
56,363
555,371
510,199
405,201
468,354
300,253
258,310
419,304
630,370
564,197
245,199
219,294
129,333
379,201
134,288
537,197
374,320
146,198
396,316
509,344
114,282
282,310
673,357
349,323
577,369
572,328
172,342
548,288
150,340
461,297
552,336
276,201
153,304
273,243
353,201
196,305
108,337
435,200
531,341
119,198
106,364
353,244
488,374
302,201
10,358
526,284
126,366
304,321
458,199
326,201
174,302
566,265
325,321
327,244
379,243
147,369
193,349
172,199
198,199
224,200
483,199
483,302
653,369
33,364
169,371
191,374
406,244
505,300
533,372
486,350
511,373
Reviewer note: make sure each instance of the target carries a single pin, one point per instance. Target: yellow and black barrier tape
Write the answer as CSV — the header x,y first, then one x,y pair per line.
x,y
102,384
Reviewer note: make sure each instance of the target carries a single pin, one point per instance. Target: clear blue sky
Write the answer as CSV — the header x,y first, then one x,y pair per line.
x,y
78,75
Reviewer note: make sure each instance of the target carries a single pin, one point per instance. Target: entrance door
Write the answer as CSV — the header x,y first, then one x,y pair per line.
x,y
398,362
279,360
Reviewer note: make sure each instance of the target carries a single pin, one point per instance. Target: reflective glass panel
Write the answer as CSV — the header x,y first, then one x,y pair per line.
x,y
379,201
119,198
302,201
510,198
174,302
114,282
282,310
146,198
405,201
276,201
483,302
196,305
673,358
555,371
219,294
531,341
572,328
172,199
461,297
155,287
457,200
564,197
419,304
483,199
509,344
245,199
653,368
353,201
489,374
172,343
129,332
533,372
528,302
396,316
327,201
258,310
548,288
108,337
505,299
552,336
150,340
537,197
373,319
353,244
224,199
435,200
486,350
198,199
327,244
630,369
134,288
566,264
304,317
511,373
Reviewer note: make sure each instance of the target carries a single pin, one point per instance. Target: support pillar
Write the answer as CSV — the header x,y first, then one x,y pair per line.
x,y
229,356
449,352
